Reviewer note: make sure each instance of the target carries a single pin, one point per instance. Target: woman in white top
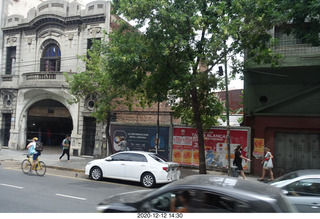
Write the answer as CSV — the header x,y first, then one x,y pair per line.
x,y
267,164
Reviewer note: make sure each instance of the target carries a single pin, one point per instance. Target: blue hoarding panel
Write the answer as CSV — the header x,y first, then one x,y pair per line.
x,y
141,138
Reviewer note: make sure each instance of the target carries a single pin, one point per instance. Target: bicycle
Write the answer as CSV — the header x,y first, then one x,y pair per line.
x,y
40,167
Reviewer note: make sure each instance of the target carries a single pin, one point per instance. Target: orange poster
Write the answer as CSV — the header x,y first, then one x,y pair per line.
x,y
258,147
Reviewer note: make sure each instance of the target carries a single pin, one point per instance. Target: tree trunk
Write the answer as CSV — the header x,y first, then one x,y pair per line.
x,y
109,142
197,117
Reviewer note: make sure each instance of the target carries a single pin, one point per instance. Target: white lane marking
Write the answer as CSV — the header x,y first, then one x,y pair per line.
x,y
12,186
69,196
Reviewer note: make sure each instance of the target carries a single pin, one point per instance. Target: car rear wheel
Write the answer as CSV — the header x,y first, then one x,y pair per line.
x,y
148,180
96,173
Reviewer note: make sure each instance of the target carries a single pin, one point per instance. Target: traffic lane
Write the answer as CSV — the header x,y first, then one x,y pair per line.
x,y
54,193
22,201
39,194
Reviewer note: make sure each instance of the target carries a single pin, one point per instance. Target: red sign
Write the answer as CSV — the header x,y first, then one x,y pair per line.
x,y
186,150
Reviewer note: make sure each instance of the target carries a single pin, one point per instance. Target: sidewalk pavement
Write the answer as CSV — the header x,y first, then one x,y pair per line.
x,y
50,156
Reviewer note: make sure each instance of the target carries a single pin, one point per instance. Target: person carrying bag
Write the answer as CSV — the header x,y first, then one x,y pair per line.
x,y
267,164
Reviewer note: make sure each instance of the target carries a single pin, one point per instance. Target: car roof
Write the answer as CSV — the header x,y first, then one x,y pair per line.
x,y
298,174
257,193
308,172
228,185
135,152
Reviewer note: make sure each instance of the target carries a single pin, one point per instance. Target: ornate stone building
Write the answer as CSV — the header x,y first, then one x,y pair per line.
x,y
36,50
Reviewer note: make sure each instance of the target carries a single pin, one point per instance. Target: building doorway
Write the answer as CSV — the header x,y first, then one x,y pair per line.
x,y
89,133
50,121
296,151
5,131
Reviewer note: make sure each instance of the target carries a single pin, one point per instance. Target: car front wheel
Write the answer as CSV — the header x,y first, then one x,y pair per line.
x,y
96,173
148,180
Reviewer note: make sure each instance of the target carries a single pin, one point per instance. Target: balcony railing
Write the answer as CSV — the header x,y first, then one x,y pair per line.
x,y
9,81
58,76
289,45
6,77
43,79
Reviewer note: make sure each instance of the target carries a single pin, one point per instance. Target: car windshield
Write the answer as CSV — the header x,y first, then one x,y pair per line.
x,y
287,176
158,158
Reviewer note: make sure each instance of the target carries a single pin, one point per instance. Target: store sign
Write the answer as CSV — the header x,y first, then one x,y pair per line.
x,y
186,150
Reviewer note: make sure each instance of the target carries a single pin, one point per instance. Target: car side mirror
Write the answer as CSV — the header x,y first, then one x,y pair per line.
x,y
108,159
285,192
146,207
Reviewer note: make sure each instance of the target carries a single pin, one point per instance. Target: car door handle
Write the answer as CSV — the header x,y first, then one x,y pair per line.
x,y
315,205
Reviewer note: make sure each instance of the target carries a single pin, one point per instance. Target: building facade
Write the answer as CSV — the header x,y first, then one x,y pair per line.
x,y
36,52
281,105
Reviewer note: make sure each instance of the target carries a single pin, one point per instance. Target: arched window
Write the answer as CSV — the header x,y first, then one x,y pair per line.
x,y
51,58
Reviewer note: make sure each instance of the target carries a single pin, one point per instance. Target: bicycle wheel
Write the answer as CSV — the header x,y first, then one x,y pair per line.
x,y
41,168
26,166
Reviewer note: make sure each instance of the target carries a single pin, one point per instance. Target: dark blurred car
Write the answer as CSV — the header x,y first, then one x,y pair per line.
x,y
208,193
302,189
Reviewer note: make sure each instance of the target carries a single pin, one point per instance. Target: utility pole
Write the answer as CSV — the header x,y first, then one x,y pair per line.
x,y
157,136
227,113
228,121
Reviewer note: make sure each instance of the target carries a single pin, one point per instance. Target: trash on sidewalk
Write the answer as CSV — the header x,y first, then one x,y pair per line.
x,y
234,171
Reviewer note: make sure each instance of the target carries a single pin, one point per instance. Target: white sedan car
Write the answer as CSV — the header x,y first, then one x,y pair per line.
x,y
145,167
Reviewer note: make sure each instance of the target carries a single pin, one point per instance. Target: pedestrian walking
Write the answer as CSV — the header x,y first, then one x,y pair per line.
x,y
65,148
267,164
238,160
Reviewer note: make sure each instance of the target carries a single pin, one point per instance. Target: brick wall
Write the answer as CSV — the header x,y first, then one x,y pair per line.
x,y
147,115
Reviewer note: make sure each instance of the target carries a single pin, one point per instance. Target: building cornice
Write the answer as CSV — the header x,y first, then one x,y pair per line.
x,y
52,18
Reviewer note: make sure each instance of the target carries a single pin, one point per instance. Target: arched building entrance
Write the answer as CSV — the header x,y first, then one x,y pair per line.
x,y
50,121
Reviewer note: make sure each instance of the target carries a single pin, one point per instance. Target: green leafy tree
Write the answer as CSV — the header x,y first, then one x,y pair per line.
x,y
303,17
184,42
95,81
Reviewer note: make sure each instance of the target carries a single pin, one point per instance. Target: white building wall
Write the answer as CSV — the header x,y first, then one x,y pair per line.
x,y
3,11
29,43
22,6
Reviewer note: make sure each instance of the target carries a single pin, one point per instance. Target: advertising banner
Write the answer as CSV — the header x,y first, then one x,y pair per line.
x,y
185,149
141,138
258,151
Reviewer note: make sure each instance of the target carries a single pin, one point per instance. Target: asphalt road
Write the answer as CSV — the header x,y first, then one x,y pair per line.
x,y
56,192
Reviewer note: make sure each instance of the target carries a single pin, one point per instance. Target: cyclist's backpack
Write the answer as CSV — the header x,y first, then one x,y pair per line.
x,y
39,146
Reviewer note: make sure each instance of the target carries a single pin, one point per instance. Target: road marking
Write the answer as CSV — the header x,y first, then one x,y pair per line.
x,y
12,186
84,179
69,196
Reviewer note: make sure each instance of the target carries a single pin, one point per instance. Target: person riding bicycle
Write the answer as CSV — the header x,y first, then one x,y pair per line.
x,y
32,151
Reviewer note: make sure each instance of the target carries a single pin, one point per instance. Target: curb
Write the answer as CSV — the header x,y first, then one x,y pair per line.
x,y
65,168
